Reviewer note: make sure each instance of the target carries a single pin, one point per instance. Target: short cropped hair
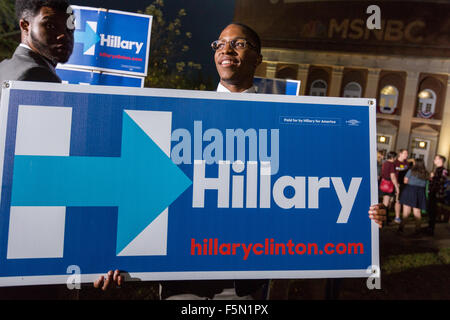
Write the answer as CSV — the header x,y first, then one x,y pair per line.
x,y
253,34
392,155
30,8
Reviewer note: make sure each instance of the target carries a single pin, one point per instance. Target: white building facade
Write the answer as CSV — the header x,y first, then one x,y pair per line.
x,y
405,65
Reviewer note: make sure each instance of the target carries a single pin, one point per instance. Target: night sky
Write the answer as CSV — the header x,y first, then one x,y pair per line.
x,y
205,19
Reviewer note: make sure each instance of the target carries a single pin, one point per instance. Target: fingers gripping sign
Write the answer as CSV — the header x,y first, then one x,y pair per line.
x,y
111,280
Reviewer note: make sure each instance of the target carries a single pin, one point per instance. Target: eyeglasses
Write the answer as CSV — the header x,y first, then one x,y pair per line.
x,y
238,44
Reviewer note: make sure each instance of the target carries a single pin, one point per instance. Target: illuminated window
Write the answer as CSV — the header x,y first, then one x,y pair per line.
x,y
419,144
388,99
318,88
352,90
427,104
383,139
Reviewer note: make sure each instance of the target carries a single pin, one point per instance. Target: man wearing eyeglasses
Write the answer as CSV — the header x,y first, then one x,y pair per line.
x,y
237,55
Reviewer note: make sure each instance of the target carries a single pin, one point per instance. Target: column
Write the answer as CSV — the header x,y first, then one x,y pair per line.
x,y
444,138
372,84
302,75
336,82
271,70
408,108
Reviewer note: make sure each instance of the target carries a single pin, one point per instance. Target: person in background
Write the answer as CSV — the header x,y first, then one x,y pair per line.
x,y
436,191
46,40
402,166
389,173
379,165
413,195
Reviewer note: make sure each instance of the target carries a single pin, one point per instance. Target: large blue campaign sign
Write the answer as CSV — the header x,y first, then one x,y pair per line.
x,y
172,184
73,76
109,40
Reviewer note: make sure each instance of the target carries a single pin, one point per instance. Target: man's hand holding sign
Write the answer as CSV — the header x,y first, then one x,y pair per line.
x,y
237,55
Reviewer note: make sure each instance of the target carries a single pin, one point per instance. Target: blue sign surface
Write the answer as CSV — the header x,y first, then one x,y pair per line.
x,y
277,86
98,78
111,40
172,184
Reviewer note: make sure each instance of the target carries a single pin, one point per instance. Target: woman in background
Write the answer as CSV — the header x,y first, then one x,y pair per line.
x,y
413,196
389,174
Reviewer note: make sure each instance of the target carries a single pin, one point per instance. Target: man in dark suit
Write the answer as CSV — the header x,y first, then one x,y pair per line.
x,y
46,40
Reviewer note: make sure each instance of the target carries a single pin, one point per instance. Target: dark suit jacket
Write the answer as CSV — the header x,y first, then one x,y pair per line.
x,y
27,65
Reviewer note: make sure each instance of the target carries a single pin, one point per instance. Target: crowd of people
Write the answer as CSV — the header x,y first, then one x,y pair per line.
x,y
407,186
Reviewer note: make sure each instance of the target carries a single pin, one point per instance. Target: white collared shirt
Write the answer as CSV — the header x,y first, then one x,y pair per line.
x,y
25,46
222,88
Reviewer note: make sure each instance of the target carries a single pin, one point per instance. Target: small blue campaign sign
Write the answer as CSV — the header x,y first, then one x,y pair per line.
x,y
109,40
176,185
86,77
277,86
